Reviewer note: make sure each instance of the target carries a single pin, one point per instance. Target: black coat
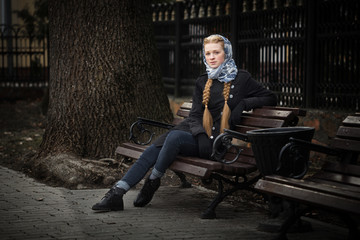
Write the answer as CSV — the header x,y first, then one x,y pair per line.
x,y
245,94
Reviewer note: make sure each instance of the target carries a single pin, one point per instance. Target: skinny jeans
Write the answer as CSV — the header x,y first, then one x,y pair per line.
x,y
160,158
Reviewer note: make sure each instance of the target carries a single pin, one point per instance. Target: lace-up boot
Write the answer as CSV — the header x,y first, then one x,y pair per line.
x,y
147,192
112,201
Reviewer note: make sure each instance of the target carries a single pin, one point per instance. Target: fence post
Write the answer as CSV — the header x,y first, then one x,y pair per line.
x,y
234,27
178,18
310,59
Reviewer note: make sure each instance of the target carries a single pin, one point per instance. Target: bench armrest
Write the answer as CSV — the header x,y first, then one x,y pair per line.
x,y
294,157
139,126
223,143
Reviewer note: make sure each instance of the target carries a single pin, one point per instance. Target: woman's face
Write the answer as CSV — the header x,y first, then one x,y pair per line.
x,y
214,54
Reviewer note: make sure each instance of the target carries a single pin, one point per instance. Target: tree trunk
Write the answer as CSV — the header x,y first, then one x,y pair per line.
x,y
104,74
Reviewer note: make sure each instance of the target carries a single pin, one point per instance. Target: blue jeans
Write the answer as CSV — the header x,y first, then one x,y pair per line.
x,y
160,158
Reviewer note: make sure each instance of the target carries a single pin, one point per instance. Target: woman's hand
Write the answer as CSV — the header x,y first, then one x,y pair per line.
x,y
204,145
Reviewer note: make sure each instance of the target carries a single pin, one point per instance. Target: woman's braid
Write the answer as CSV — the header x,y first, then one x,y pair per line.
x,y
226,110
207,118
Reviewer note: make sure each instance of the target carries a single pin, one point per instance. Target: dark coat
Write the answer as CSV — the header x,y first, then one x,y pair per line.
x,y
245,94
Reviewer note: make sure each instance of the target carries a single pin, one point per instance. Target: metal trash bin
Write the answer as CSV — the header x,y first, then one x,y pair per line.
x,y
267,143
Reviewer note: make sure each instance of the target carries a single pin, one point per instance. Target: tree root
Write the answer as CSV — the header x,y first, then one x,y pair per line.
x,y
75,173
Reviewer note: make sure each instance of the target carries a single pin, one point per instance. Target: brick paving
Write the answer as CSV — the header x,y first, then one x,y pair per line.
x,y
33,210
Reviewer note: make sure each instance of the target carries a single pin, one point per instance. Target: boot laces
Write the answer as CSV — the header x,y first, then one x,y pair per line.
x,y
108,194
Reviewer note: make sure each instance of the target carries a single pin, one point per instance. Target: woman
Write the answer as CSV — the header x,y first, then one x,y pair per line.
x,y
220,97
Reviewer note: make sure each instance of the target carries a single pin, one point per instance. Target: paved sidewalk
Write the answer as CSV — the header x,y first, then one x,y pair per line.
x,y
32,210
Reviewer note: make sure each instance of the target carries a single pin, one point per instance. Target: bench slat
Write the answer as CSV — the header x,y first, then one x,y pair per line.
x,y
190,169
272,113
348,132
211,165
341,190
352,121
244,129
186,105
297,111
337,167
335,185
127,152
134,146
337,177
345,144
261,122
305,195
183,113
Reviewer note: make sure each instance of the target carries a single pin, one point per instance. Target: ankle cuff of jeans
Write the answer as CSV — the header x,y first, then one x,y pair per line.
x,y
123,185
157,173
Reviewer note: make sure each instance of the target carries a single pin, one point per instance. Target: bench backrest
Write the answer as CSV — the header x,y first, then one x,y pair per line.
x,y
265,117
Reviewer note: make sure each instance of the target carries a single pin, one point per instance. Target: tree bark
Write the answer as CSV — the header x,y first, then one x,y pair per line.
x,y
104,73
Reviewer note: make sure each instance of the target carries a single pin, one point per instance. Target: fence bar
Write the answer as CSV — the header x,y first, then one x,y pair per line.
x,y
234,26
178,20
310,52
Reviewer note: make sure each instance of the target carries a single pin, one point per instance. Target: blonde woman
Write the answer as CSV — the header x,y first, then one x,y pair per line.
x,y
220,97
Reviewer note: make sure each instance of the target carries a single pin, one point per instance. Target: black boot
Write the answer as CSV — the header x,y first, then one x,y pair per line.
x,y
112,201
147,192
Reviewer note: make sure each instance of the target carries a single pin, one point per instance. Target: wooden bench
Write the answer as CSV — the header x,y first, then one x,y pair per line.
x,y
233,164
336,187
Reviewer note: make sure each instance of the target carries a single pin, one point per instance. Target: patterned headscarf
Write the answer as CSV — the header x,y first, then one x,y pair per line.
x,y
227,71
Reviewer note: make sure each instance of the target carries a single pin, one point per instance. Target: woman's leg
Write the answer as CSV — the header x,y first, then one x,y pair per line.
x,y
113,199
177,143
139,169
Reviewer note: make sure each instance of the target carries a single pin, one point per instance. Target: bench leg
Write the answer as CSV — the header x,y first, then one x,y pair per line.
x,y
289,220
184,182
280,210
209,213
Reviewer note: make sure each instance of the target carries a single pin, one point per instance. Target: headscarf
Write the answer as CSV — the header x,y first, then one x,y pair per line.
x,y
227,71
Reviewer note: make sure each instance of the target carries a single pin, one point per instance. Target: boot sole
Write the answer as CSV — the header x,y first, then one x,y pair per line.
x,y
107,209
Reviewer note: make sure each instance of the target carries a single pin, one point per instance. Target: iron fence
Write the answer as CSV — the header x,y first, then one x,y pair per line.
x,y
23,58
306,51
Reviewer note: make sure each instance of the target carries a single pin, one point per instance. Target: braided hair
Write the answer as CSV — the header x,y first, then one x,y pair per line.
x,y
207,118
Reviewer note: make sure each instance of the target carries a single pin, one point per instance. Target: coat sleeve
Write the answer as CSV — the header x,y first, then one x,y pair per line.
x,y
257,95
251,95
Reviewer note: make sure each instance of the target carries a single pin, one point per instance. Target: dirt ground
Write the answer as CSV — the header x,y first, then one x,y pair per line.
x,y
22,125
21,130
